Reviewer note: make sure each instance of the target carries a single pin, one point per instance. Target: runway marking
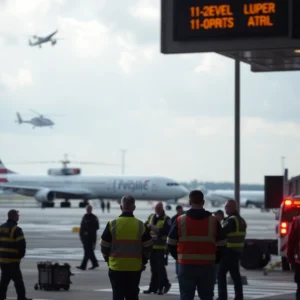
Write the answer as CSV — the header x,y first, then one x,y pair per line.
x,y
256,289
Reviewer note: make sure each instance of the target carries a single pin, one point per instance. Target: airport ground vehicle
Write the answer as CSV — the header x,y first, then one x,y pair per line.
x,y
257,253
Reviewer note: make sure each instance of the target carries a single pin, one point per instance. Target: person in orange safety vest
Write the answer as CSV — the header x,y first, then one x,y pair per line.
x,y
193,241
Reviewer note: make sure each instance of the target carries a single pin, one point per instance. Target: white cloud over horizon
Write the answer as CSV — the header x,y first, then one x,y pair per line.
x,y
107,77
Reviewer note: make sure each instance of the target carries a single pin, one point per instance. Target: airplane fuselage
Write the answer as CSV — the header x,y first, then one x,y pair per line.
x,y
110,187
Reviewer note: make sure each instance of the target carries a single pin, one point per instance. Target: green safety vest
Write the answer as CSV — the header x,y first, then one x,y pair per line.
x,y
236,240
126,246
161,242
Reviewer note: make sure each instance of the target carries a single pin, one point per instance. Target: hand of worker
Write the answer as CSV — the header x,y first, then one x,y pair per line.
x,y
154,228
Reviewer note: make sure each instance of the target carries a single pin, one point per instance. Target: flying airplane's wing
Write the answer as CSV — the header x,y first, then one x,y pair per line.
x,y
51,35
33,189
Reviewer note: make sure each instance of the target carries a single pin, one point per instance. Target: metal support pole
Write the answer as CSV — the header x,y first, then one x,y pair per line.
x,y
237,116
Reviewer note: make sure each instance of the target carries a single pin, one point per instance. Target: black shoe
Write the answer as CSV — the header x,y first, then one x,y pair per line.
x,y
148,292
80,268
167,288
93,267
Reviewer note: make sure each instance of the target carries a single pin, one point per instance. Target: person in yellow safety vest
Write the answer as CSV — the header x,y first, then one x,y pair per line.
x,y
12,250
234,228
160,225
126,246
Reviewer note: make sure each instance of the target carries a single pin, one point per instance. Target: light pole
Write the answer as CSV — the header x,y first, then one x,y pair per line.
x,y
123,152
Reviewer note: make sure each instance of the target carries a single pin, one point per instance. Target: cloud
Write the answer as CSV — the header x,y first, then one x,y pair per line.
x,y
115,89
23,78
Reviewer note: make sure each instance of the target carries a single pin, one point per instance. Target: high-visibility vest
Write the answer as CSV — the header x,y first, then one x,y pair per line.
x,y
158,243
8,244
236,240
126,246
196,240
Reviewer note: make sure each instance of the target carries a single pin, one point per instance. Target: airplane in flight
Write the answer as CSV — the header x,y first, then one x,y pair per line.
x,y
247,198
41,40
45,189
39,121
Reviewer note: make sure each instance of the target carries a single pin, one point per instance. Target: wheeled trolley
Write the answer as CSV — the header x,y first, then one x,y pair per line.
x,y
53,276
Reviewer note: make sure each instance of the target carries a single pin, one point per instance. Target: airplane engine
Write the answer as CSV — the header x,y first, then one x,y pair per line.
x,y
53,42
44,196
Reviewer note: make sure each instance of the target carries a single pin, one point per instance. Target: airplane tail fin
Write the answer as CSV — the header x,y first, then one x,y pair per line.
x,y
20,121
3,172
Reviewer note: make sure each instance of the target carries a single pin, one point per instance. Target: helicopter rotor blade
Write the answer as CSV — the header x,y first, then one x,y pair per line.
x,y
37,113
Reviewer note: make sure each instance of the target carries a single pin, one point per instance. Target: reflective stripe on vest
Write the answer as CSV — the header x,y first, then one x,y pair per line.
x,y
196,249
126,245
8,250
236,239
158,243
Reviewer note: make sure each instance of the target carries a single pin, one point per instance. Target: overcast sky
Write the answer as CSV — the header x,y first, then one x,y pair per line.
x,y
116,90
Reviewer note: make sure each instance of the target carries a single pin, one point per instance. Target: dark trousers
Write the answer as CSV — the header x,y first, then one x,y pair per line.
x,y
200,277
12,272
89,254
159,277
230,263
297,280
125,285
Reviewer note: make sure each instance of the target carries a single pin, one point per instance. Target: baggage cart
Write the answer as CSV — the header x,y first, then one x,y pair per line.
x,y
53,276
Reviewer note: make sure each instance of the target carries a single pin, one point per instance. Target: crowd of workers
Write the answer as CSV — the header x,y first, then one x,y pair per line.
x,y
205,245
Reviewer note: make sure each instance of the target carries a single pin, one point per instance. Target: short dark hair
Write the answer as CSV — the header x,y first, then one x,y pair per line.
x,y
12,214
219,212
196,197
179,207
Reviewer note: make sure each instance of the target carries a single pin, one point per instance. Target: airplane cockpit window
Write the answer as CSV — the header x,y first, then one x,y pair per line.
x,y
172,184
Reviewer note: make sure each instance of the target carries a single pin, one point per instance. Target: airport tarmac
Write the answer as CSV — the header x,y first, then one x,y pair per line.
x,y
49,237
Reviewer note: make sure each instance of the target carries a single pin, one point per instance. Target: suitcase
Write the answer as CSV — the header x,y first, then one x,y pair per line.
x,y
53,276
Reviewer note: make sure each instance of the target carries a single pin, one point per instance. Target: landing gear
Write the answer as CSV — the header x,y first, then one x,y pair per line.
x,y
65,203
83,204
48,204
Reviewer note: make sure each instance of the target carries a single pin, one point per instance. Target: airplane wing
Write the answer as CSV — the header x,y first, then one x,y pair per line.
x,y
50,35
61,191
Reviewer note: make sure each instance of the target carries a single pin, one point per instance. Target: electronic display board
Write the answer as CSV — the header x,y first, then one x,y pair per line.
x,y
196,20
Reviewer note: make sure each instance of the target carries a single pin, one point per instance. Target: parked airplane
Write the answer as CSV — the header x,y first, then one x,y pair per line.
x,y
39,121
45,189
247,198
41,40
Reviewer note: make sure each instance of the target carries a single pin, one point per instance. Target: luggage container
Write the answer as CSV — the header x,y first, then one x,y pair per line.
x,y
53,276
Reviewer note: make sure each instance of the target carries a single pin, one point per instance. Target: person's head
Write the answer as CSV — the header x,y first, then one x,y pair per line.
x,y
230,207
89,209
127,204
13,215
159,208
219,214
179,210
196,199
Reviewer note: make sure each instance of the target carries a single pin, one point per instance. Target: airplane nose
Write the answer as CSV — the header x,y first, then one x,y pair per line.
x,y
184,191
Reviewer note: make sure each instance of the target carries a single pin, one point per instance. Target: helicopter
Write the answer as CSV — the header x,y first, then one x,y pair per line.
x,y
65,170
39,121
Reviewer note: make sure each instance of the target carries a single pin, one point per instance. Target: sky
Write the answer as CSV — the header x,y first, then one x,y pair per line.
x,y
112,89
